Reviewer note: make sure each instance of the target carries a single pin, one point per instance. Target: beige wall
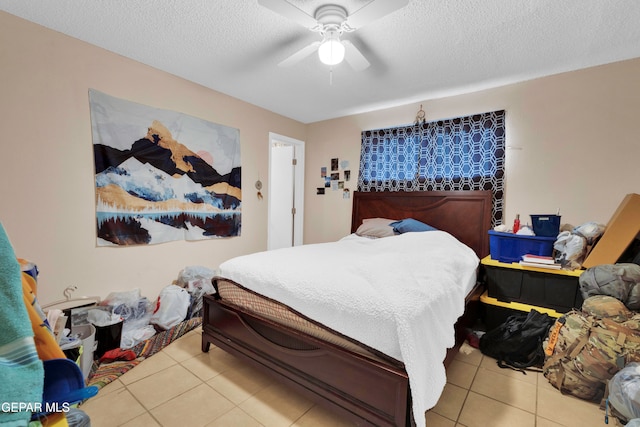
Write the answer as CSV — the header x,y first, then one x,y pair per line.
x,y
572,144
575,148
47,177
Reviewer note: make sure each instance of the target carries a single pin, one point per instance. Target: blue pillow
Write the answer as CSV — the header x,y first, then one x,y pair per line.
x,y
409,224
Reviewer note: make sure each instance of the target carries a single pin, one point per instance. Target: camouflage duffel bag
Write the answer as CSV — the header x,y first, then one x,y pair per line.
x,y
586,348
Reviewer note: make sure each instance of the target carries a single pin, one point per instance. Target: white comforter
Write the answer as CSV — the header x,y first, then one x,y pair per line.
x,y
400,295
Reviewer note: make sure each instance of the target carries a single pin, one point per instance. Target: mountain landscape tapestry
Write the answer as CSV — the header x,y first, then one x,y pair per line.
x,y
162,175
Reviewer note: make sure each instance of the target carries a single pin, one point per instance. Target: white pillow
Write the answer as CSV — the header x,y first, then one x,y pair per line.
x,y
376,227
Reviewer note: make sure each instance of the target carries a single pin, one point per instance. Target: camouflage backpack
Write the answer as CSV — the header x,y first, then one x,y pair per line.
x,y
586,348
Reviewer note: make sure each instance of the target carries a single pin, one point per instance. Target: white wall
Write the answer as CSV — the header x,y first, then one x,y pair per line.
x,y
47,175
574,141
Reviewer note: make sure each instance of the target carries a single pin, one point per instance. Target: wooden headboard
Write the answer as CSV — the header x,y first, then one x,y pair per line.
x,y
464,214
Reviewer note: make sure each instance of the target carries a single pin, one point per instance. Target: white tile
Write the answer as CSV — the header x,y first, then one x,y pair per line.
x,y
195,407
507,389
276,405
451,401
163,386
482,411
461,373
115,408
567,410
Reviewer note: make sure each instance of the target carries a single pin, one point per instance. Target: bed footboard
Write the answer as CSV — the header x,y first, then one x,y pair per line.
x,y
367,391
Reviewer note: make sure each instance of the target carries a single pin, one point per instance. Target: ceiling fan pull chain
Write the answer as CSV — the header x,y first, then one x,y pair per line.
x,y
330,76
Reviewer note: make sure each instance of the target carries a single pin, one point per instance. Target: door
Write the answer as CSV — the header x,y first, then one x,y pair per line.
x,y
285,192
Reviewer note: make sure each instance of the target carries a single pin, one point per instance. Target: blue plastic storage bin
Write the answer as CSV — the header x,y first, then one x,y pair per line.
x,y
546,225
509,247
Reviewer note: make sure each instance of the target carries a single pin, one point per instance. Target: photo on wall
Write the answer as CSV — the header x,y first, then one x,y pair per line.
x,y
161,175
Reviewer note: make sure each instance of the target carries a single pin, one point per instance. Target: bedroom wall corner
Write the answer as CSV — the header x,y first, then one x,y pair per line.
x,y
571,144
328,215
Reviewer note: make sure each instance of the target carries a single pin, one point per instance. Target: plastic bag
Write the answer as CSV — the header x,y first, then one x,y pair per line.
x,y
624,391
136,327
100,317
171,307
122,297
525,230
571,249
197,281
133,336
135,310
195,276
590,231
128,304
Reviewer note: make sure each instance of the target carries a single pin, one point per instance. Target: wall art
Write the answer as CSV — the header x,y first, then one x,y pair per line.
x,y
161,175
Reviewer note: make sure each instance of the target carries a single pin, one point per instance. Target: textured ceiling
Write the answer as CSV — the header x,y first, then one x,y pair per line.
x,y
428,49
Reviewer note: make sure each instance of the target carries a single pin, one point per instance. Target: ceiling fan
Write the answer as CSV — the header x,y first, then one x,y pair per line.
x,y
331,21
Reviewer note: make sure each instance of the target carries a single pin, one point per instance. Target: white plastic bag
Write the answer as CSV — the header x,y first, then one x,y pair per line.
x,y
171,307
195,276
571,249
590,231
99,317
131,337
624,391
122,297
197,280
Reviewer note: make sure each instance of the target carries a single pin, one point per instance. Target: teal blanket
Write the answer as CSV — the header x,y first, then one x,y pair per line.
x,y
21,370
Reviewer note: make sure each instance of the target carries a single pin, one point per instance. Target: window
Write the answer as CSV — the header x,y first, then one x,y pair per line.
x,y
464,153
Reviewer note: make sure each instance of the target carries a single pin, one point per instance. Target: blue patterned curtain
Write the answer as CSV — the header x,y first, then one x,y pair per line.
x,y
464,153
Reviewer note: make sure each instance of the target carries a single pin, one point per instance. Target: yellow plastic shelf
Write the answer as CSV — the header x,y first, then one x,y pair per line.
x,y
486,299
517,266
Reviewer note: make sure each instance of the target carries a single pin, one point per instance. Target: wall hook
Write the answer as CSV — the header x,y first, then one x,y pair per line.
x,y
420,117
259,187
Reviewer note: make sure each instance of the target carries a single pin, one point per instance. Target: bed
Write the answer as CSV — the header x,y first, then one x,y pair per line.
x,y
365,384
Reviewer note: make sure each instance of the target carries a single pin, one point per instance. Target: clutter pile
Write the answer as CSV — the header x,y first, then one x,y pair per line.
x,y
587,278
106,337
124,319
573,245
592,353
592,345
546,237
39,384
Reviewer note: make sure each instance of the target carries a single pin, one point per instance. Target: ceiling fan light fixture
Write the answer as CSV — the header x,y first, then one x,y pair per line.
x,y
331,51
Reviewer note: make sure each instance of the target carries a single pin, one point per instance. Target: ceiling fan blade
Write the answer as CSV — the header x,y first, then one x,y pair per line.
x,y
300,55
373,11
354,57
286,9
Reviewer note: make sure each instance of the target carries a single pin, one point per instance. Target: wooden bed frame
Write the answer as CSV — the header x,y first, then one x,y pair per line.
x,y
367,391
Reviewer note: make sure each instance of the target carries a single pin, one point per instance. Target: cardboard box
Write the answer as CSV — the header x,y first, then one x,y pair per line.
x,y
622,229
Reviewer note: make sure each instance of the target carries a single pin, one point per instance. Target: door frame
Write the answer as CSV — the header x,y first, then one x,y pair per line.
x,y
298,223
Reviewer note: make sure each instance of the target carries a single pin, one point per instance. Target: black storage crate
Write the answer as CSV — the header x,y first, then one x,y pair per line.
x,y
558,290
495,312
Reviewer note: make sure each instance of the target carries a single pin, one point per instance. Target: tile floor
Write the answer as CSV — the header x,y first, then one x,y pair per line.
x,y
181,386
